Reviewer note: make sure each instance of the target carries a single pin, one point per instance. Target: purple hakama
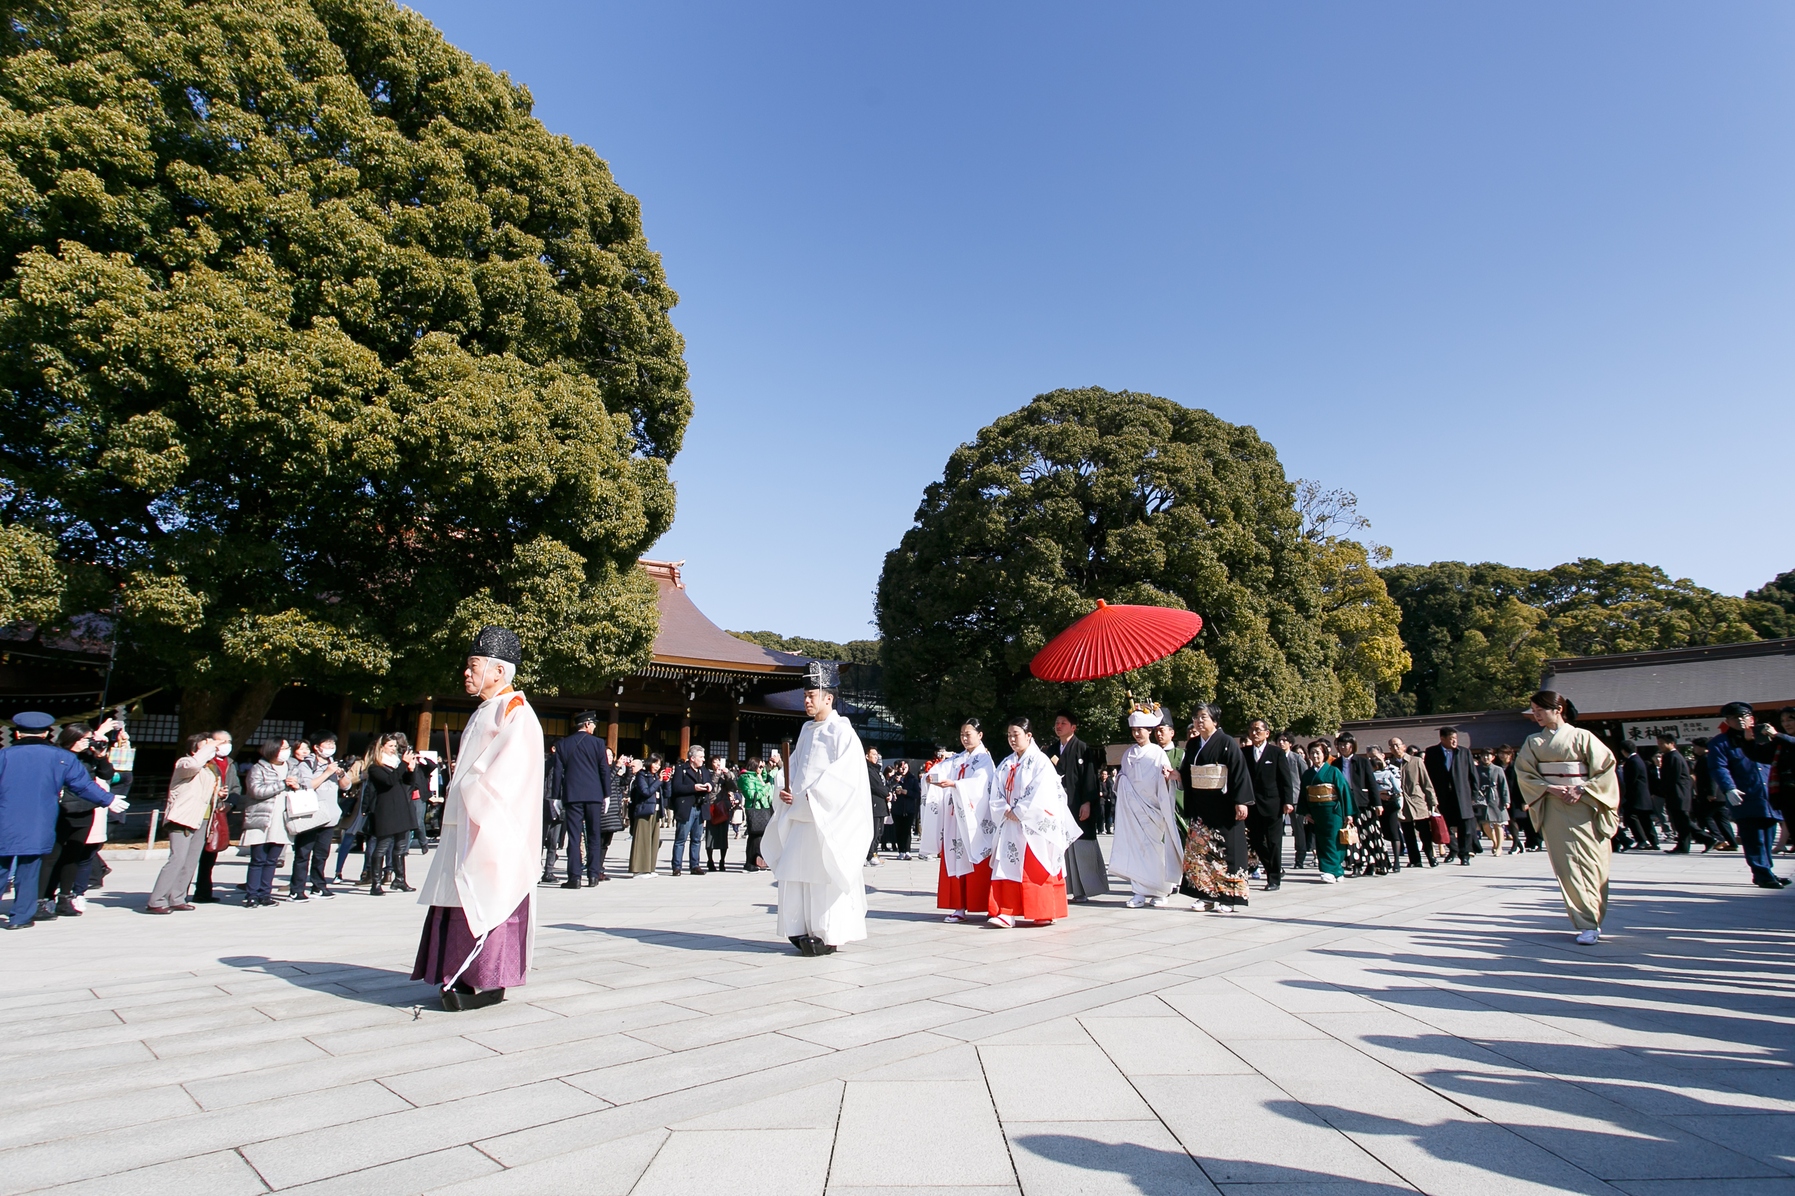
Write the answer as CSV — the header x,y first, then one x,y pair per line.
x,y
447,942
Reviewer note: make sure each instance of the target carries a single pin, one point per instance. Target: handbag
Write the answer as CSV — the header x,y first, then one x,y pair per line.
x,y
757,821
218,831
1437,831
1349,835
302,803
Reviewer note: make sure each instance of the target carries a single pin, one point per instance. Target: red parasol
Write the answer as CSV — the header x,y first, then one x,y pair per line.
x,y
1115,639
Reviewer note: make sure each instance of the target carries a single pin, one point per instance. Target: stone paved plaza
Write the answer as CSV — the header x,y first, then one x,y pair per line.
x,y
1436,1031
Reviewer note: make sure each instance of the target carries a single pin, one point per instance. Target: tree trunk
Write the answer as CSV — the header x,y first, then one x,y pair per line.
x,y
239,709
251,707
202,710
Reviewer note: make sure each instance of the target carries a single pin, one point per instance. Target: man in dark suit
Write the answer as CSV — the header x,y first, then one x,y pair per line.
x,y
875,776
1274,796
1449,768
582,766
1077,764
1676,789
1636,777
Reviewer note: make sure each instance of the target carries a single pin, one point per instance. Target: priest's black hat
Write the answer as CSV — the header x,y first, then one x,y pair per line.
x,y
499,643
822,674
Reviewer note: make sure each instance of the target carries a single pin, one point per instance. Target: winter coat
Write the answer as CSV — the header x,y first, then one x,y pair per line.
x,y
306,772
265,804
390,807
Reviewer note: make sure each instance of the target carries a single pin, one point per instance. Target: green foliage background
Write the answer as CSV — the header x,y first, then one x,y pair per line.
x,y
853,652
1479,634
1087,494
317,350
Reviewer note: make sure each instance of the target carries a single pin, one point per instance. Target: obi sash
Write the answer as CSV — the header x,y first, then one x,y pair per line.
x,y
1209,776
1563,772
1319,793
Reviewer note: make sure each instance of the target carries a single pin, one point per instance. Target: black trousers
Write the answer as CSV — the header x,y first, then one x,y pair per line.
x,y
1520,825
388,854
1415,839
1266,836
1641,830
202,880
310,850
1686,828
1464,837
586,844
1390,819
1711,817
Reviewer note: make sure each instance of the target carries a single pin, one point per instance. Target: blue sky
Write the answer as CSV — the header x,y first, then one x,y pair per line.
x,y
1520,275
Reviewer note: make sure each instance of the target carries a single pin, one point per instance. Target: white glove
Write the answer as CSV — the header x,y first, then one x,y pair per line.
x,y
1734,797
119,805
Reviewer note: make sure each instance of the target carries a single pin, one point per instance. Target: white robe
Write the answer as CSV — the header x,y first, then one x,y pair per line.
x,y
1147,850
1029,787
817,845
967,826
490,854
933,839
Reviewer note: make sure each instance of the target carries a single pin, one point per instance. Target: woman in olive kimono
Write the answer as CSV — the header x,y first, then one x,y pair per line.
x,y
1325,806
1568,782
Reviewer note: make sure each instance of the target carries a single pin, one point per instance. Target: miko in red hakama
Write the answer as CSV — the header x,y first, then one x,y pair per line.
x,y
1039,896
964,892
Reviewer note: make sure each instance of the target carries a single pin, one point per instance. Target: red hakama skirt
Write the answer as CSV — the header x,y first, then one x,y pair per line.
x,y
963,892
1037,897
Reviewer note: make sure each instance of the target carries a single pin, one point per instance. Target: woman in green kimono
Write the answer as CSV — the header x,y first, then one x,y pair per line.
x,y
1327,806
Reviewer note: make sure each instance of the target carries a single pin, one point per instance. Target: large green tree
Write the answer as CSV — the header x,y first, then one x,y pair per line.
x,y
1772,608
317,349
1479,634
1087,494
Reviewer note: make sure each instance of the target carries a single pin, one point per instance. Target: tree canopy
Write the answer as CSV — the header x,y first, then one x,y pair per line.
x,y
1772,609
1479,634
317,349
1087,494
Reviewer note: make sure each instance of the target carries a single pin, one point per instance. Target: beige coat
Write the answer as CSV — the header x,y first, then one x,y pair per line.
x,y
1419,802
191,792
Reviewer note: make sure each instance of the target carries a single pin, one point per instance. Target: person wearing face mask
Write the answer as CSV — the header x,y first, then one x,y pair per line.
x,y
271,779
193,793
80,832
312,813
34,777
231,794
1739,760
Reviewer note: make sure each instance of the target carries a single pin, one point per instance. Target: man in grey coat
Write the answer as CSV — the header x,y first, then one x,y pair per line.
x,y
1449,768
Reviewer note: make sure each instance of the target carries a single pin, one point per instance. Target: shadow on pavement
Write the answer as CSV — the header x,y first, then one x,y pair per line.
x,y
372,986
684,940
1154,1172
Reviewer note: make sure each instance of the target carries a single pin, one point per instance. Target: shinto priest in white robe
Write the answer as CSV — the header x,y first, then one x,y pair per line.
x,y
1148,850
490,854
816,846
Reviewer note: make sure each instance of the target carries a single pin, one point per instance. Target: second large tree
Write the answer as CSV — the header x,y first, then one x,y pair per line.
x,y
1087,494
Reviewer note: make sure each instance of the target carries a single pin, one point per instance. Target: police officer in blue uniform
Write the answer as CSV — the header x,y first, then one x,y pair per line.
x,y
33,775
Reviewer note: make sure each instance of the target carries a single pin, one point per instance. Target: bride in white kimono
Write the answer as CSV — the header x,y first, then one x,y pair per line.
x,y
1148,849
816,843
